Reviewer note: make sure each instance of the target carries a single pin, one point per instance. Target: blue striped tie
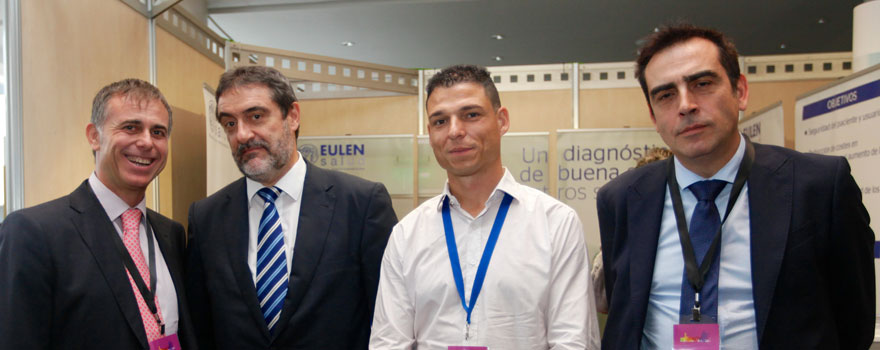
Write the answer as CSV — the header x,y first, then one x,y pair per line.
x,y
271,259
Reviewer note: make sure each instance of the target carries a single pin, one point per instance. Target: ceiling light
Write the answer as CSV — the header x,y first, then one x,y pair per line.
x,y
497,36
497,58
348,43
782,46
821,20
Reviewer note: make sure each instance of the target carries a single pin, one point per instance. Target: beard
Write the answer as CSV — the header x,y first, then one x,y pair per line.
x,y
264,170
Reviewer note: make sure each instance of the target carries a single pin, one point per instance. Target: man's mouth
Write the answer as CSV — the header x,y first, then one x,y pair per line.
x,y
690,128
139,160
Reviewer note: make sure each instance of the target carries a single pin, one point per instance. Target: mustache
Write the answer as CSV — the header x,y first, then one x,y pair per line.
x,y
252,144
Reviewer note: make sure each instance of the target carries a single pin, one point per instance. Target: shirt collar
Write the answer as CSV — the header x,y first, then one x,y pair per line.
x,y
290,184
727,173
112,204
506,185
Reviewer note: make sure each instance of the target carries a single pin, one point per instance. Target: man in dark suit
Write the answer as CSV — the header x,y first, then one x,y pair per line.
x,y
287,257
65,277
794,265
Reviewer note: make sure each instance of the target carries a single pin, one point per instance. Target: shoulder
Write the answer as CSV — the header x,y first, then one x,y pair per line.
x,y
222,195
805,165
41,219
538,202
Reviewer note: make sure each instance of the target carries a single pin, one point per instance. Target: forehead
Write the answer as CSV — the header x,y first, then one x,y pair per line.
x,y
460,94
125,107
243,97
674,63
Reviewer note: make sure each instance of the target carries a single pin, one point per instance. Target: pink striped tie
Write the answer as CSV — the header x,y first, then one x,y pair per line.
x,y
131,220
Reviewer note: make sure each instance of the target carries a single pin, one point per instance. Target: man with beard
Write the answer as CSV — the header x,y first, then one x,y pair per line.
x,y
288,256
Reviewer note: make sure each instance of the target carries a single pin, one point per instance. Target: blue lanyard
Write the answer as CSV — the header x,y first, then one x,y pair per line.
x,y
484,261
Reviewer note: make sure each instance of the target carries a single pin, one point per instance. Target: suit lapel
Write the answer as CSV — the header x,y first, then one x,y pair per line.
x,y
770,206
97,232
644,209
236,236
315,216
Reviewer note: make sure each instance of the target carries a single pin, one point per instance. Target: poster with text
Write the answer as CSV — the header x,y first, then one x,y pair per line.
x,y
588,159
382,158
766,126
843,119
221,169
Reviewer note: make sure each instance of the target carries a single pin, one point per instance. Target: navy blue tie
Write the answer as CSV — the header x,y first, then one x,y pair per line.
x,y
705,221
271,259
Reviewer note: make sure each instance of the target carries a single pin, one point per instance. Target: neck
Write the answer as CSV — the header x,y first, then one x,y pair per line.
x,y
472,191
709,164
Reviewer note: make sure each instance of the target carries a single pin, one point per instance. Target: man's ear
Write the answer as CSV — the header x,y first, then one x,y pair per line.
x,y
93,136
742,92
503,119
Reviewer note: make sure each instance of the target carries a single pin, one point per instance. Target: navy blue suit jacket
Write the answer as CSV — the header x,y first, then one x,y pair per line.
x,y
344,225
63,284
811,251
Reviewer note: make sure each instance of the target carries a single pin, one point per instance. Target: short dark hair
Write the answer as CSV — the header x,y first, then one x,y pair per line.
x,y
678,33
277,83
141,92
465,73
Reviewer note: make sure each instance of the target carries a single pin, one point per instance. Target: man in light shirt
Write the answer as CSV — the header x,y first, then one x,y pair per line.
x,y
786,258
96,268
489,263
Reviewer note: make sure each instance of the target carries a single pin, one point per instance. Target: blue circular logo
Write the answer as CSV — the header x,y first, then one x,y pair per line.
x,y
310,152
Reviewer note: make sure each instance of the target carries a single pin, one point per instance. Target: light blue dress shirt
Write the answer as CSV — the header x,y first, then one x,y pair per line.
x,y
736,305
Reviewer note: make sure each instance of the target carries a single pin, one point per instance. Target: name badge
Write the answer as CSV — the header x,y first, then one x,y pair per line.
x,y
468,348
696,336
168,342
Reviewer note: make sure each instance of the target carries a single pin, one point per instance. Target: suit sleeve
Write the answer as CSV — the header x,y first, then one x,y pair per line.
x,y
196,289
26,280
606,234
853,264
380,219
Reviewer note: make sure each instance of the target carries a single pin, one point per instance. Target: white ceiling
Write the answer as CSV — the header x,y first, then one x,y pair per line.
x,y
437,33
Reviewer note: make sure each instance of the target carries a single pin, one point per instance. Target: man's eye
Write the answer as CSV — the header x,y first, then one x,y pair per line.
x,y
159,133
229,124
257,116
438,122
663,96
472,115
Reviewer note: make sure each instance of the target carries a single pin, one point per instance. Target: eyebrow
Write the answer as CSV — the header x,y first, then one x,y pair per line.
x,y
687,79
249,110
463,108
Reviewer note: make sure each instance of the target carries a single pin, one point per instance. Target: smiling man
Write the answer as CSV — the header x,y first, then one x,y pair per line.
x,y
750,246
288,256
490,263
96,268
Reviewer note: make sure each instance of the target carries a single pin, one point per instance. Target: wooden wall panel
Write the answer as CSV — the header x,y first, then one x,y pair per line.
x,y
359,116
544,110
180,73
70,49
613,108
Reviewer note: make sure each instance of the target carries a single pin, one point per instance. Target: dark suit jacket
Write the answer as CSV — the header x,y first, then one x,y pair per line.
x,y
63,284
344,224
811,251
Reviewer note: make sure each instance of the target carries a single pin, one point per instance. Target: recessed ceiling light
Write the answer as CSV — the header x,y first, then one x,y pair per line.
x,y
821,20
782,46
497,58
348,43
497,36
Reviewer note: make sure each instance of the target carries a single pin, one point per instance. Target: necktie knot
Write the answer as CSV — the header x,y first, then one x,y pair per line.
x,y
269,194
131,218
707,190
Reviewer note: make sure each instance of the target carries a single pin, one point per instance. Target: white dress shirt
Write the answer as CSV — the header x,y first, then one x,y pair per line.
x,y
165,291
536,293
736,305
287,203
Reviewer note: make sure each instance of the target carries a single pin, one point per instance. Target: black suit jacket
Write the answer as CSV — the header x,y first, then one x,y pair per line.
x,y
344,224
811,251
63,284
